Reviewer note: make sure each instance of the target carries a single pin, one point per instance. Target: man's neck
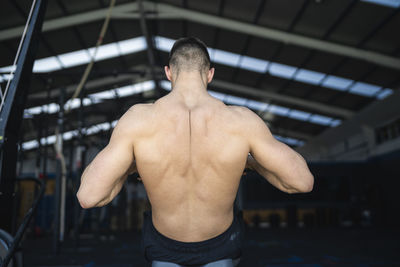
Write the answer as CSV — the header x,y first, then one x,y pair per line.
x,y
189,87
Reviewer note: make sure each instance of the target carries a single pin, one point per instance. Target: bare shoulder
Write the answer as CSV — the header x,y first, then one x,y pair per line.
x,y
248,122
244,114
135,118
140,110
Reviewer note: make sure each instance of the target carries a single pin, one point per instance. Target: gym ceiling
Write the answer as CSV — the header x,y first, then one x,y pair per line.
x,y
303,65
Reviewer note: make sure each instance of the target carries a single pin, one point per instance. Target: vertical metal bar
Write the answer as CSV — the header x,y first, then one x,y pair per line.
x,y
39,125
46,134
80,163
58,193
150,46
12,111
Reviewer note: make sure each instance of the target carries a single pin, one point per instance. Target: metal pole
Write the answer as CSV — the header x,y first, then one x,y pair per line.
x,y
150,46
80,163
39,125
12,112
46,133
58,193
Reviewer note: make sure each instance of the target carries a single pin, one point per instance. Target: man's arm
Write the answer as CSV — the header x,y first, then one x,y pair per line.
x,y
104,177
276,162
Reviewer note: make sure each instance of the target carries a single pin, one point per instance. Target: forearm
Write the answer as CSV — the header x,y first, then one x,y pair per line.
x,y
93,192
113,194
278,182
254,165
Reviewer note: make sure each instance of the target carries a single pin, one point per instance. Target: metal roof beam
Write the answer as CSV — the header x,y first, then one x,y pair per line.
x,y
71,20
163,11
226,86
110,80
281,36
254,92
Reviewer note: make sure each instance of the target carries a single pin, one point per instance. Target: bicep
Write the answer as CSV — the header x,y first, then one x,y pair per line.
x,y
271,154
105,174
113,161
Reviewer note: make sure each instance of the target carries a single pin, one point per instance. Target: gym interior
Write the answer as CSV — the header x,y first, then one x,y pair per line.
x,y
324,75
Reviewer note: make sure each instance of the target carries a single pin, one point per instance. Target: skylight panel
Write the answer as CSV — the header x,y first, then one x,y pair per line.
x,y
335,123
75,58
388,3
46,65
105,126
281,70
289,141
319,119
81,57
166,85
98,128
135,89
364,89
8,69
132,45
226,58
217,95
384,93
278,110
33,111
93,98
69,135
92,130
137,44
127,90
90,101
253,64
105,51
256,105
164,44
74,103
299,115
234,100
30,145
338,83
7,77
308,76
50,139
48,108
109,94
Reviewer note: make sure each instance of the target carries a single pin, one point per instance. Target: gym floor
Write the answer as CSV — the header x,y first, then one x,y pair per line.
x,y
313,247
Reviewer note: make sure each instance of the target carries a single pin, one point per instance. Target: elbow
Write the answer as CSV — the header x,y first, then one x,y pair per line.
x,y
85,202
305,179
306,185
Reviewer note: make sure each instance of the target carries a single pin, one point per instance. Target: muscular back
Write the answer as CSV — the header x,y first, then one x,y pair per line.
x,y
191,161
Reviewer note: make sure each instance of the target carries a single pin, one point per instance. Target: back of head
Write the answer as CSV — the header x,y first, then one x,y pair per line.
x,y
189,54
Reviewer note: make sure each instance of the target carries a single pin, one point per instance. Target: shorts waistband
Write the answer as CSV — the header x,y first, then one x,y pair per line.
x,y
207,244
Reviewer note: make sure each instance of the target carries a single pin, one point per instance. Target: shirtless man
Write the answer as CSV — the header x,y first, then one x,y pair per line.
x,y
190,150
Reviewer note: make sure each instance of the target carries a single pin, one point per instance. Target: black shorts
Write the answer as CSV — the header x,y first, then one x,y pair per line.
x,y
227,245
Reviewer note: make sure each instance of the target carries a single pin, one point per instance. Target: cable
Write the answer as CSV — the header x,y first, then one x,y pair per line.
x,y
90,65
3,96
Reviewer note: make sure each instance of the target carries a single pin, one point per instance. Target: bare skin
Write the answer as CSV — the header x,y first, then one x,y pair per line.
x,y
190,150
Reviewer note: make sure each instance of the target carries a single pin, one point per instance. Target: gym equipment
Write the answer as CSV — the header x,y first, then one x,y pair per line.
x,y
12,107
5,243
10,251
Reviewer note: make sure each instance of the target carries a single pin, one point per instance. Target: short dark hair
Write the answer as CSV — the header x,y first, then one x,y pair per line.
x,y
189,53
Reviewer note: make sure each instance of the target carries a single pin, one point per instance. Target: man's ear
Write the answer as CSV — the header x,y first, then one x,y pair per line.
x,y
168,73
210,75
